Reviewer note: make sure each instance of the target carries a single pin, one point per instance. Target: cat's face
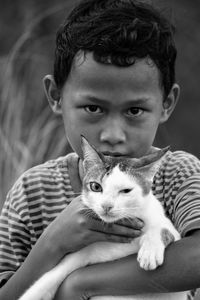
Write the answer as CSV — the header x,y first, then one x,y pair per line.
x,y
116,188
114,194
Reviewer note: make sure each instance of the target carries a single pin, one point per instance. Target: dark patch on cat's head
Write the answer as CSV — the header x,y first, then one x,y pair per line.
x,y
96,173
124,166
143,182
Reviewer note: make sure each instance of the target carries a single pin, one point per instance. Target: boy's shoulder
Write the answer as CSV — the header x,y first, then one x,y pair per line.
x,y
181,161
43,180
178,168
50,168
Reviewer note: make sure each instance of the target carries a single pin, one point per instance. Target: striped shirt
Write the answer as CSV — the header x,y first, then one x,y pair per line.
x,y
42,192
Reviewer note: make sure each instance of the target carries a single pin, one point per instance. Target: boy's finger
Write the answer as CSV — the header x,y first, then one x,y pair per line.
x,y
135,223
132,223
100,237
116,230
119,230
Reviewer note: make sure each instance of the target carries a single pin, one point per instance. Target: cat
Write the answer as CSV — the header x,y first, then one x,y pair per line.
x,y
115,188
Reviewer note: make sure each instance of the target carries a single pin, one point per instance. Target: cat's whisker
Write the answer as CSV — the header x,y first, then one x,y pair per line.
x,y
127,214
88,212
103,222
127,208
129,219
124,210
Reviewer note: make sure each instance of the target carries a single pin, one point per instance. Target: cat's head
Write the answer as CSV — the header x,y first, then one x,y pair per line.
x,y
117,188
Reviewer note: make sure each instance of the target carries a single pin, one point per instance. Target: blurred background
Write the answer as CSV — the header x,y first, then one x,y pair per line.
x,y
29,133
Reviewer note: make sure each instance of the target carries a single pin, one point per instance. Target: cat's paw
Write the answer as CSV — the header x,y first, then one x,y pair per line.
x,y
150,254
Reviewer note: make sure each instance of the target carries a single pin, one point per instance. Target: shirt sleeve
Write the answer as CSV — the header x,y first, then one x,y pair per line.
x,y
14,237
35,200
187,205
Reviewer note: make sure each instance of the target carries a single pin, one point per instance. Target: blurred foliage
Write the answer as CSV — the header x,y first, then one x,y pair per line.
x,y
29,132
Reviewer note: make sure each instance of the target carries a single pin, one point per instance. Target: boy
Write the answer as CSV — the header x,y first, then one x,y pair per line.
x,y
114,82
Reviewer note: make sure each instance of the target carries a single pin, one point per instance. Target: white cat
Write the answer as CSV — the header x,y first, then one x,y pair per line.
x,y
116,188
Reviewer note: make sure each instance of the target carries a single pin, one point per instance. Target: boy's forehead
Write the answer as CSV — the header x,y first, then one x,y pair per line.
x,y
86,73
85,60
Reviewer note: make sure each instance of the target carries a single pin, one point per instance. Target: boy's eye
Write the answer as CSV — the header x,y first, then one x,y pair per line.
x,y
95,109
135,111
95,187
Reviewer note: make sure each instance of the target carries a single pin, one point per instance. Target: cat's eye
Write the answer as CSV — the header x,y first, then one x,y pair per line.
x,y
95,187
125,191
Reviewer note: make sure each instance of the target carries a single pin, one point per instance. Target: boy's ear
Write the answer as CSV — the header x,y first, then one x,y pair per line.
x,y
170,103
53,94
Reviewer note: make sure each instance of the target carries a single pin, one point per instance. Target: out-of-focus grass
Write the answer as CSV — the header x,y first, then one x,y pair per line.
x,y
29,133
24,145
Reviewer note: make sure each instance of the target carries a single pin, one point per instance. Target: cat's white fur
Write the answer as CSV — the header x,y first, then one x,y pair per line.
x,y
150,246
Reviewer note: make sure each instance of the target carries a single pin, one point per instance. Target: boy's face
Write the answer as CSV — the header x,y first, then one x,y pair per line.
x,y
118,109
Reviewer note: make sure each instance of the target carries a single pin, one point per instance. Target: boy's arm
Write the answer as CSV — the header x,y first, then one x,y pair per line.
x,y
41,258
69,232
180,271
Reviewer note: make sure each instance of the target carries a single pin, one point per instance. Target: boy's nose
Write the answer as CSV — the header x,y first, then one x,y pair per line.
x,y
113,134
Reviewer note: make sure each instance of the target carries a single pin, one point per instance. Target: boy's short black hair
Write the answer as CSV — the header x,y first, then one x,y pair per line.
x,y
117,32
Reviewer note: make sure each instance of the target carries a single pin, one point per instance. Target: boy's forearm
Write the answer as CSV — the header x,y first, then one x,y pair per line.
x,y
41,258
181,271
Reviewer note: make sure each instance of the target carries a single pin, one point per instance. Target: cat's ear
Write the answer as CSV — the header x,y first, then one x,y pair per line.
x,y
150,164
150,170
90,155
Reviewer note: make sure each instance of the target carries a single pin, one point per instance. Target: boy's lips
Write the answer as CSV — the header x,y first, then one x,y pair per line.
x,y
114,154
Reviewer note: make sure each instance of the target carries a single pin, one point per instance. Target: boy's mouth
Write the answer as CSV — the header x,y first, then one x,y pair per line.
x,y
114,154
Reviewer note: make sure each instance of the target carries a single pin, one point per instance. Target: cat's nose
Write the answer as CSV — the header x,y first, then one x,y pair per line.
x,y
107,207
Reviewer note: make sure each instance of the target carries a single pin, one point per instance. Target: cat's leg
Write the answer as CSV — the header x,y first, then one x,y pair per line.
x,y
153,243
151,252
158,233
46,287
107,251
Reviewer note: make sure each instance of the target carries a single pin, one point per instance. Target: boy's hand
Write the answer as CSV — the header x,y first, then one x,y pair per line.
x,y
73,229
